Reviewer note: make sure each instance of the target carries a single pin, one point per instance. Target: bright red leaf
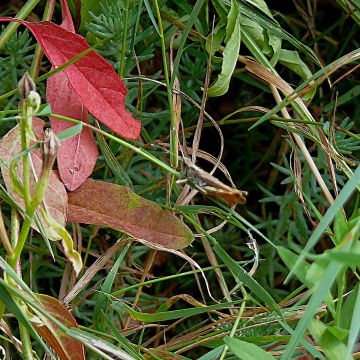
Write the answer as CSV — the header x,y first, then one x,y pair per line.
x,y
77,156
92,77
106,204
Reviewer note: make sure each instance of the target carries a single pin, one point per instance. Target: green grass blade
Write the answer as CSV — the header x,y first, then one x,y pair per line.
x,y
192,17
339,202
354,326
246,351
319,292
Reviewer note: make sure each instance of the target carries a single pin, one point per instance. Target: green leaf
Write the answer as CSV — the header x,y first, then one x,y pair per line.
x,y
168,315
268,41
344,195
331,345
192,17
247,351
341,227
231,52
113,163
350,258
354,327
322,286
214,40
241,275
151,16
289,258
233,18
213,354
15,309
125,343
347,310
70,132
291,60
89,5
101,301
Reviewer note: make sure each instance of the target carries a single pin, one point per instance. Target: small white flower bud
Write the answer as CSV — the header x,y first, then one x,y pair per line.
x,y
34,100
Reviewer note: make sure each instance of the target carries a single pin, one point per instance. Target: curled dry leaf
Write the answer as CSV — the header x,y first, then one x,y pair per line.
x,y
55,197
66,347
106,204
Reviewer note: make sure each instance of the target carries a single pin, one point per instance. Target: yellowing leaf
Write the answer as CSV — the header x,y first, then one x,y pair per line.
x,y
106,204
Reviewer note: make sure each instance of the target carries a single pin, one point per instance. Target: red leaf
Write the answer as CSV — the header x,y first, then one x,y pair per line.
x,y
55,197
77,156
92,77
102,203
67,23
65,346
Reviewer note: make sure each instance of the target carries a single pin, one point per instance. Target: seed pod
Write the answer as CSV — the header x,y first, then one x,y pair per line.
x,y
49,149
26,84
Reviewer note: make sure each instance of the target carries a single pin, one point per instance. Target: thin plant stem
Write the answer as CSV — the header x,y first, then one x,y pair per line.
x,y
38,196
22,14
38,54
119,292
123,45
22,239
304,149
26,342
25,128
236,322
173,139
4,236
54,71
127,145
148,264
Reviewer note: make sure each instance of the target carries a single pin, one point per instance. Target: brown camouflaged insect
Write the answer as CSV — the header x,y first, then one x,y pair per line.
x,y
211,186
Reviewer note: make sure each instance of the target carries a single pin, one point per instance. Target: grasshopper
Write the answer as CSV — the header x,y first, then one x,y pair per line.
x,y
211,186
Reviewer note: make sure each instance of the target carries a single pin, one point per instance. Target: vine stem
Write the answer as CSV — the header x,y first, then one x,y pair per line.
x,y
123,45
36,63
26,342
22,14
173,139
25,128
304,150
127,145
236,322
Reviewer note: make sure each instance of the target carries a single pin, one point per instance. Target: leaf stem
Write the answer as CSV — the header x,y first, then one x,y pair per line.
x,y
22,14
124,143
25,128
39,193
173,147
236,322
26,342
4,236
123,45
36,62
